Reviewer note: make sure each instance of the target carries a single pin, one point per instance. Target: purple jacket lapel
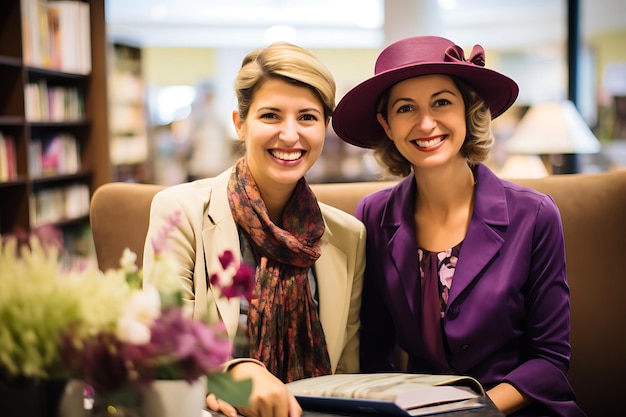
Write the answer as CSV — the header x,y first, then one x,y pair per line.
x,y
483,240
402,245
481,244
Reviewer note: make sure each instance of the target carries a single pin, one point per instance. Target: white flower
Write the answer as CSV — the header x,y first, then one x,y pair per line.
x,y
164,275
143,308
131,330
127,261
145,305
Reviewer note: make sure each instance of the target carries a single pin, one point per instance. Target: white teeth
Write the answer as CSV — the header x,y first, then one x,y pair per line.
x,y
428,143
287,156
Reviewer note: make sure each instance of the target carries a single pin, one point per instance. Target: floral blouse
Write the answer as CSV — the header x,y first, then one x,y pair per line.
x,y
446,264
436,268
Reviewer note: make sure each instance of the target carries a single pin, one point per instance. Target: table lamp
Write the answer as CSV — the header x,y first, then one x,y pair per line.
x,y
553,130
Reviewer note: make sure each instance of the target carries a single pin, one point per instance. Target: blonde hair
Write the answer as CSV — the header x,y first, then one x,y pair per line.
x,y
290,63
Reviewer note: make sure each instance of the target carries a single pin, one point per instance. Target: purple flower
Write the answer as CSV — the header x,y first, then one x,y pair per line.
x,y
227,258
179,348
161,240
214,279
175,345
238,281
48,237
100,361
242,283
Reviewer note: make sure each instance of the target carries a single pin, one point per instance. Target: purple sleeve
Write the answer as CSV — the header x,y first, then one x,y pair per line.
x,y
543,375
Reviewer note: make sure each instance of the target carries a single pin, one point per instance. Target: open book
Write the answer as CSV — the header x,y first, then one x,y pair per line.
x,y
394,394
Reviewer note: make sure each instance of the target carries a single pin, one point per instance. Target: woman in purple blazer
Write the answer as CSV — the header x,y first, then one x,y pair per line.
x,y
465,271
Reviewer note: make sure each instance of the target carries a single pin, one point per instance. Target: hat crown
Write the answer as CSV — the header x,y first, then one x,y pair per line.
x,y
413,51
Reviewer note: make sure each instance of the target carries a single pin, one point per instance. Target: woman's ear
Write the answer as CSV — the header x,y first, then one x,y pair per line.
x,y
383,122
239,126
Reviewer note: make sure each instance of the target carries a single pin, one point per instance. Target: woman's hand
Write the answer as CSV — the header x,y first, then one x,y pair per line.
x,y
507,398
269,397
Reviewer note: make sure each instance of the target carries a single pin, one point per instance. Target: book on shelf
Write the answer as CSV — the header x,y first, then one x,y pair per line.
x,y
69,30
8,160
56,35
58,154
35,33
393,394
35,152
53,103
57,204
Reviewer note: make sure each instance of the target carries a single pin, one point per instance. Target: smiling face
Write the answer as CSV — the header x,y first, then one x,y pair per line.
x,y
284,132
426,120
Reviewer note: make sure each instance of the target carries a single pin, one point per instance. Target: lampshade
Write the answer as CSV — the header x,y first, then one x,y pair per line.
x,y
552,128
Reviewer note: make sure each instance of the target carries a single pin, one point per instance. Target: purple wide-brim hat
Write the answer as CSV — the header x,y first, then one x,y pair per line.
x,y
354,119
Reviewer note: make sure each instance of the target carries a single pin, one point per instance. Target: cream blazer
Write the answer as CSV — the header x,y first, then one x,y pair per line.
x,y
207,229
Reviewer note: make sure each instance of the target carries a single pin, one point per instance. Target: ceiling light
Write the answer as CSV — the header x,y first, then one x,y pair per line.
x,y
158,12
447,4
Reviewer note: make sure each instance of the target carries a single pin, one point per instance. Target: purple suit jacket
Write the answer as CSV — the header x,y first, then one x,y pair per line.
x,y
507,317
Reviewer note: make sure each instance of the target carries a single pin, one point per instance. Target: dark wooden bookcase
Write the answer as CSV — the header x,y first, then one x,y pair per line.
x,y
90,131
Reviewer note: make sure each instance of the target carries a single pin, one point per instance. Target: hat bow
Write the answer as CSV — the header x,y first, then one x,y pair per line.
x,y
454,53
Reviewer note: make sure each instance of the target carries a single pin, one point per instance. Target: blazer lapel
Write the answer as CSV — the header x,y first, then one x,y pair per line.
x,y
332,282
219,233
482,241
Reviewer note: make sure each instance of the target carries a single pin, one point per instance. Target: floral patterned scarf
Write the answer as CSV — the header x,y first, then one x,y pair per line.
x,y
284,329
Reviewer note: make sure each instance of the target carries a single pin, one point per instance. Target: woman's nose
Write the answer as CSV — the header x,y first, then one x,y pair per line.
x,y
426,121
289,131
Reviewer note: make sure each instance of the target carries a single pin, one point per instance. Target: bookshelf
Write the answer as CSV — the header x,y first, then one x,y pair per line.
x,y
53,113
129,148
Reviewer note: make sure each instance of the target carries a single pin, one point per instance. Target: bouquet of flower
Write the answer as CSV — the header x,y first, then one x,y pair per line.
x,y
107,328
40,297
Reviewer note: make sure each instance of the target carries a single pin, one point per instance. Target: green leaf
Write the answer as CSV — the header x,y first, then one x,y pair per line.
x,y
236,393
173,299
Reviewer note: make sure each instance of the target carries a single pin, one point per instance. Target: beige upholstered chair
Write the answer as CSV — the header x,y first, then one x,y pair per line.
x,y
593,209
119,219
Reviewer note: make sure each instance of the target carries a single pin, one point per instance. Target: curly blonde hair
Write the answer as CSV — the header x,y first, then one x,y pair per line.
x,y
478,140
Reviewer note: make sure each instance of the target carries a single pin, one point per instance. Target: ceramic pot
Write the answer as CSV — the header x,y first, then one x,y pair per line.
x,y
173,398
121,403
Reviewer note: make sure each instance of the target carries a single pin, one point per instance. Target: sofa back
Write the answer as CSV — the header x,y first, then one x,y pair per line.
x,y
593,211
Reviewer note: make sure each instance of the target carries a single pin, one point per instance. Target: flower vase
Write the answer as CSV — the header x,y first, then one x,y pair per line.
x,y
72,402
173,398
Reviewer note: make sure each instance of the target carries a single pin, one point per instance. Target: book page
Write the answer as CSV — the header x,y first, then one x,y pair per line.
x,y
442,408
406,390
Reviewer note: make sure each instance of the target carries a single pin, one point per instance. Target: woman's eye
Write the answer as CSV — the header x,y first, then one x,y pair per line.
x,y
441,102
404,109
269,116
309,117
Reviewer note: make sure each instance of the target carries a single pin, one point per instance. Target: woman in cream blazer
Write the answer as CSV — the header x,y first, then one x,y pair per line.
x,y
208,229
303,320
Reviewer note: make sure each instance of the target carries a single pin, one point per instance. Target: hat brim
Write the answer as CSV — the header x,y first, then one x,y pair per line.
x,y
354,119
